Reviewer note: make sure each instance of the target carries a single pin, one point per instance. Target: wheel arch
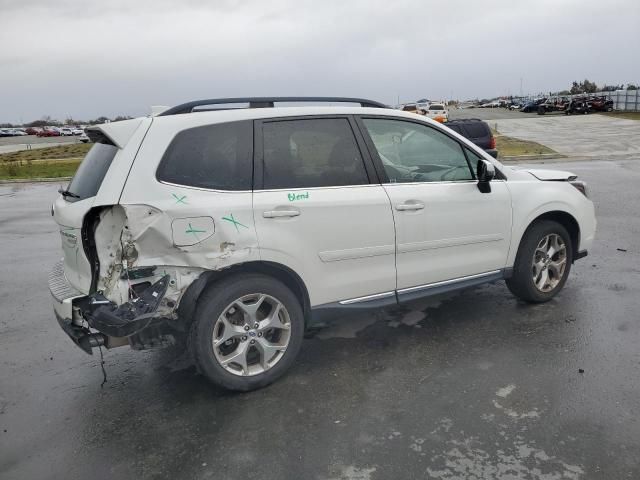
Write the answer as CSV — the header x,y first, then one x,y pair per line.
x,y
565,219
188,304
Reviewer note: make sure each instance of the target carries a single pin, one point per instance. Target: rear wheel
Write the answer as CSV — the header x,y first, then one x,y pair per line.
x,y
542,263
247,332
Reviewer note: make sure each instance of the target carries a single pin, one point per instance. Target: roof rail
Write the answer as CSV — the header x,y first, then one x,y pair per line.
x,y
267,102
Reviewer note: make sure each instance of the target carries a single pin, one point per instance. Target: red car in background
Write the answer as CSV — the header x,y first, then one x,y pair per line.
x,y
48,133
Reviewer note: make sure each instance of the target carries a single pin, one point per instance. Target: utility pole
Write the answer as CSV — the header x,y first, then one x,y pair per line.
x,y
520,86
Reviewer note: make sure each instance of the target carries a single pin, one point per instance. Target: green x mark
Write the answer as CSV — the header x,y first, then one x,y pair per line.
x,y
179,199
194,231
234,221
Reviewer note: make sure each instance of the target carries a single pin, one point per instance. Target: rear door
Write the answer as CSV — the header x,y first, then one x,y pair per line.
x,y
446,229
320,210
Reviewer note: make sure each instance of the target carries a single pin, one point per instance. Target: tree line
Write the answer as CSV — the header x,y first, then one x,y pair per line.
x,y
47,121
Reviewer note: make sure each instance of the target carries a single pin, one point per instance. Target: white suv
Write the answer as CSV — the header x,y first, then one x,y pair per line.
x,y
235,229
438,112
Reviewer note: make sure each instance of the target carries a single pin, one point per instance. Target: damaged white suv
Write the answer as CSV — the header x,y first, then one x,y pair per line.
x,y
236,228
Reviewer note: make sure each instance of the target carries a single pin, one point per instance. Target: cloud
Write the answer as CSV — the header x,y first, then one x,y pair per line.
x,y
84,59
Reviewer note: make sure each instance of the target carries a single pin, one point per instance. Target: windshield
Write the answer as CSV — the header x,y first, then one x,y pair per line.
x,y
88,178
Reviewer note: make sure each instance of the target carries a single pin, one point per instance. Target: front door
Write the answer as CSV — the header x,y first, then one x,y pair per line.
x,y
318,210
446,229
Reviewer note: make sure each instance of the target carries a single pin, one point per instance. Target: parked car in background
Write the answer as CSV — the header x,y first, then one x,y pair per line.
x,y
601,104
438,112
4,132
555,104
17,132
46,132
578,105
33,130
66,132
532,106
77,131
477,131
413,108
84,138
494,104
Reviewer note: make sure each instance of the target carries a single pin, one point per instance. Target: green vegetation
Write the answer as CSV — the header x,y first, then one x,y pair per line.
x,y
625,115
49,162
514,147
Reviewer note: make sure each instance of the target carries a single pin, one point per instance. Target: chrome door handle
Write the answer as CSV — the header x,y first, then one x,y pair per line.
x,y
280,213
410,206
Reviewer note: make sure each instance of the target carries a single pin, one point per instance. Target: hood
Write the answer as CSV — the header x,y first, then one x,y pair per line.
x,y
552,174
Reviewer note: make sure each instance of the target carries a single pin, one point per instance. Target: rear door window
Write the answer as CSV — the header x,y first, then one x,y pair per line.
x,y
320,152
217,157
88,178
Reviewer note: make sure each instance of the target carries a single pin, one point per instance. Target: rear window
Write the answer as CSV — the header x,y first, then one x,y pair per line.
x,y
436,107
218,157
477,129
455,128
88,178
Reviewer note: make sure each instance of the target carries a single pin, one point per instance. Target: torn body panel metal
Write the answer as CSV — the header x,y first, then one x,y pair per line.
x,y
145,267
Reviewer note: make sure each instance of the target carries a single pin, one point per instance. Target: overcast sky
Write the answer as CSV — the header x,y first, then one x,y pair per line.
x,y
118,57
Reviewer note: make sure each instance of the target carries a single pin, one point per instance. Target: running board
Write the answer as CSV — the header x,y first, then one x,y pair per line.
x,y
386,299
421,291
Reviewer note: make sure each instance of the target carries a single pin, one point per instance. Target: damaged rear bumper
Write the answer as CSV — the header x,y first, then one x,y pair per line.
x,y
126,319
81,336
114,325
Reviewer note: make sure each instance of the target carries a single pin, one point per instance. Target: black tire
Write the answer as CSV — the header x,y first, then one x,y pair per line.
x,y
521,283
211,305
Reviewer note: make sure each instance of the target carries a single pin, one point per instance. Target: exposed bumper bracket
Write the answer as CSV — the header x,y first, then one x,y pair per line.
x,y
130,317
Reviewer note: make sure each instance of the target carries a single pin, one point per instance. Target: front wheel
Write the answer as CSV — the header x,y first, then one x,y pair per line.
x,y
247,332
542,263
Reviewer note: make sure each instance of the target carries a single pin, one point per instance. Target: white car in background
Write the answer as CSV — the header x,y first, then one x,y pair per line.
x,y
66,132
77,131
235,230
438,112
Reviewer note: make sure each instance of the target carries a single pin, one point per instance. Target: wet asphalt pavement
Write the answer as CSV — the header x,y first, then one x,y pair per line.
x,y
474,385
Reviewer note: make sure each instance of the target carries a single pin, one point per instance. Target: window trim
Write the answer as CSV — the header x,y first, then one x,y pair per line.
x,y
196,187
382,174
258,151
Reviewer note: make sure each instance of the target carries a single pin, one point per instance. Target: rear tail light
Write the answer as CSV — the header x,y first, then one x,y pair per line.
x,y
492,142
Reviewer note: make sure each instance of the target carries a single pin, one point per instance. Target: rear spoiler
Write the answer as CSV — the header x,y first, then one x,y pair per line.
x,y
118,133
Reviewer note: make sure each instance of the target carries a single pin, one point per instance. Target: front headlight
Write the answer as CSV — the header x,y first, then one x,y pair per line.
x,y
581,186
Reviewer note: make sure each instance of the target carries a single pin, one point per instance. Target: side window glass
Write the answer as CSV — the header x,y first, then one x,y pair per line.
x,y
216,156
311,153
411,152
473,160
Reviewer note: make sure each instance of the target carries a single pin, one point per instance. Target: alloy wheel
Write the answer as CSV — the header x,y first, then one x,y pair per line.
x,y
251,335
549,262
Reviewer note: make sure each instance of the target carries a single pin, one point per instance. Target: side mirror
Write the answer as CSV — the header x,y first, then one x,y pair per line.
x,y
486,172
